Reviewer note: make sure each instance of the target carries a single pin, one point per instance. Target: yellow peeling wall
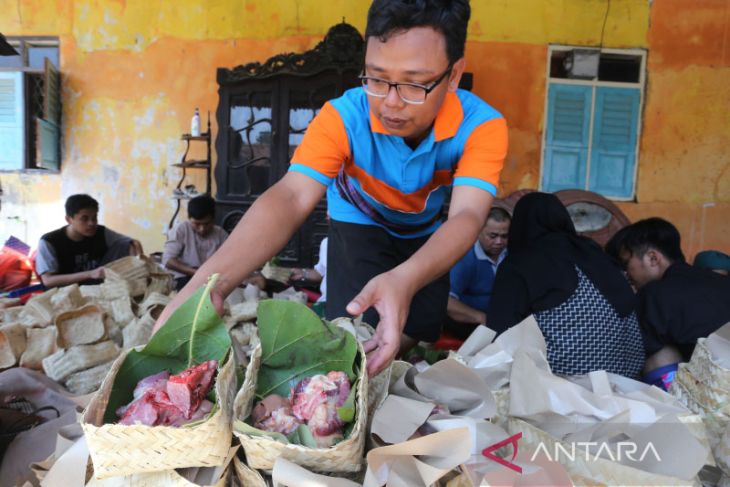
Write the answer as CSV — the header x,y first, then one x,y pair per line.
x,y
133,71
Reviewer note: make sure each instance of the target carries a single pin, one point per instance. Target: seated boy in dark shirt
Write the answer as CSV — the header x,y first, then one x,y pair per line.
x,y
76,252
190,243
678,303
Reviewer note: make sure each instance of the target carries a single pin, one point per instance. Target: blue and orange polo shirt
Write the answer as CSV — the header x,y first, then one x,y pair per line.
x,y
407,187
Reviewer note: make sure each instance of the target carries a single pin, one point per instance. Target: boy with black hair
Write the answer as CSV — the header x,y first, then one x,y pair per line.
x,y
386,154
76,252
192,242
678,303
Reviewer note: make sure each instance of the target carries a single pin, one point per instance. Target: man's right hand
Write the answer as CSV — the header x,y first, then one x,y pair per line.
x,y
390,294
97,273
298,275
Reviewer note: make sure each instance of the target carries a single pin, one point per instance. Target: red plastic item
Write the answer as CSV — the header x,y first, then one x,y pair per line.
x,y
447,342
312,296
15,270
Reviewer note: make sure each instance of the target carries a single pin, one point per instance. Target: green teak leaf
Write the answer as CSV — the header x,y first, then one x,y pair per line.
x,y
193,334
246,428
302,436
296,343
346,412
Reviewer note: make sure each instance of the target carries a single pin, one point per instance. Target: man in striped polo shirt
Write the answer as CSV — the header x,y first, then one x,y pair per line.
x,y
387,154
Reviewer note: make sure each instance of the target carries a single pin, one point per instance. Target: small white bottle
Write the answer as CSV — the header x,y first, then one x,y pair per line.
x,y
195,124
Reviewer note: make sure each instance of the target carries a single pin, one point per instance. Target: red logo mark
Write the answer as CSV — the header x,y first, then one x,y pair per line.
x,y
487,452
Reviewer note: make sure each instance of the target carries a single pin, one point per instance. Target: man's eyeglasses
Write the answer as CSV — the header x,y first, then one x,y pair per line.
x,y
412,93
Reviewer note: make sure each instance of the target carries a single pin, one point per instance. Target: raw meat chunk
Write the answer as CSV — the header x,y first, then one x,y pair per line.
x,y
188,388
273,413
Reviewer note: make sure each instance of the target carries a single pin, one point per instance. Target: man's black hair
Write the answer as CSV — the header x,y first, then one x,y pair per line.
x,y
614,246
499,214
201,207
77,202
449,17
652,233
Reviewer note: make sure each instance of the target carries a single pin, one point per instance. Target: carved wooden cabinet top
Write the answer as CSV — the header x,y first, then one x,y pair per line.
x,y
263,111
342,48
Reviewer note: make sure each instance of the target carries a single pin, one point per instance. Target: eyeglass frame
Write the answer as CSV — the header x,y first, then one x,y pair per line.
x,y
428,89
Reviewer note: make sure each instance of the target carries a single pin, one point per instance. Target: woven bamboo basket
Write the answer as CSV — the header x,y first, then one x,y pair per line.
x,y
708,396
598,471
159,282
72,332
168,478
262,451
679,391
42,307
398,368
152,300
717,422
129,268
705,368
247,476
119,450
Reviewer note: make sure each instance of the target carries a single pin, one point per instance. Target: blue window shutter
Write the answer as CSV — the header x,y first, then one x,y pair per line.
x,y
613,149
12,121
48,133
47,144
567,135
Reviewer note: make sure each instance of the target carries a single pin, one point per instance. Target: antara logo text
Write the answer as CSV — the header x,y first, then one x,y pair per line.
x,y
585,450
591,451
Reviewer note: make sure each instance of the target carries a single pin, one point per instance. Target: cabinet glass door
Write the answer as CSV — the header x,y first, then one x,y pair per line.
x,y
251,131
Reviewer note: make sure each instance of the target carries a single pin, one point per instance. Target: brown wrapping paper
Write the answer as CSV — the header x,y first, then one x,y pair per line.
x,y
493,361
289,474
593,409
419,462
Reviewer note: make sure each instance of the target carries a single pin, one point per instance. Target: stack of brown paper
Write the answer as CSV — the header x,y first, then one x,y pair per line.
x,y
422,461
493,360
449,387
289,474
601,412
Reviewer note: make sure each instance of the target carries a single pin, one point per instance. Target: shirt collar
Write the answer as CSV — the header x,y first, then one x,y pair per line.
x,y
676,268
481,255
446,124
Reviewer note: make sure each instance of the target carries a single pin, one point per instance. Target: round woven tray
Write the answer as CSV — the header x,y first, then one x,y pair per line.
x,y
262,451
119,450
705,368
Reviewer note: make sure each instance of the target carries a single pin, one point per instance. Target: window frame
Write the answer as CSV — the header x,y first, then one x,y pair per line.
x,y
32,41
27,42
594,83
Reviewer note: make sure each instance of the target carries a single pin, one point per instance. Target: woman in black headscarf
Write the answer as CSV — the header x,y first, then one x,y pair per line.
x,y
581,301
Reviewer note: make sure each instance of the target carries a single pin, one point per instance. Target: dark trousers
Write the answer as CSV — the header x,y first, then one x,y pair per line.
x,y
181,281
357,253
458,329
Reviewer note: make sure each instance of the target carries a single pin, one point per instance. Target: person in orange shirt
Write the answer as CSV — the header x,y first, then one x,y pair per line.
x,y
387,154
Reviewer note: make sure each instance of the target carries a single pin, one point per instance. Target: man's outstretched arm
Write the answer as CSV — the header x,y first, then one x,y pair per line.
x,y
262,232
